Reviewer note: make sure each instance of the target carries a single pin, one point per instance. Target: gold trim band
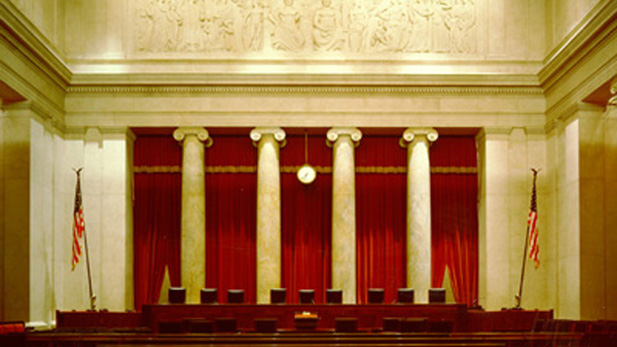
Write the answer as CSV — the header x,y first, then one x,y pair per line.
x,y
458,170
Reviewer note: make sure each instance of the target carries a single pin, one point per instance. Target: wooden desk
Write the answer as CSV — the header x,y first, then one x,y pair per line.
x,y
369,316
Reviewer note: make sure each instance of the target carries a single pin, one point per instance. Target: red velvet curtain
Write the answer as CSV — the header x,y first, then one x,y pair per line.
x,y
380,216
306,219
231,205
156,227
454,210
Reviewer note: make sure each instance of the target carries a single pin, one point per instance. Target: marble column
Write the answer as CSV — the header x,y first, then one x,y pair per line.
x,y
268,210
343,141
419,210
193,249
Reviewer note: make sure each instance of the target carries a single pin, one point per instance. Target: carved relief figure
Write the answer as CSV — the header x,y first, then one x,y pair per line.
x,y
222,35
145,24
460,22
441,33
287,35
253,29
172,24
190,28
327,33
391,27
357,27
423,12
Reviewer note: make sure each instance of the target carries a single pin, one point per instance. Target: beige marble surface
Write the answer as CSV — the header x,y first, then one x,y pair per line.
x,y
343,142
493,256
268,210
16,214
193,248
419,210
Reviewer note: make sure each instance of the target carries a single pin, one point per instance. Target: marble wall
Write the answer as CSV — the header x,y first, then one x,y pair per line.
x,y
16,213
38,193
505,156
562,16
583,174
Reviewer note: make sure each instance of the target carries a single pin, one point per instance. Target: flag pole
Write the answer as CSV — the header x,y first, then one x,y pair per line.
x,y
91,292
92,296
519,296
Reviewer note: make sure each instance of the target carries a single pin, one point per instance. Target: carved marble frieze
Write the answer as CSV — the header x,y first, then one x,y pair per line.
x,y
262,27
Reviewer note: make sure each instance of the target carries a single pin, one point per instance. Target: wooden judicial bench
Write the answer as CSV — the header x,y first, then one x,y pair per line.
x,y
507,328
370,316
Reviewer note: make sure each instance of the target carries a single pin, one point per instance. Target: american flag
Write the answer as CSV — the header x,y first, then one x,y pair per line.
x,y
79,224
532,224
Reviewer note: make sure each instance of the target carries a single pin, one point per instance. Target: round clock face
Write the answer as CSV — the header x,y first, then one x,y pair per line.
x,y
306,174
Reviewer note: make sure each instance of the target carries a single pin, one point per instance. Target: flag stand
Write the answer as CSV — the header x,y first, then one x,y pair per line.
x,y
91,292
519,296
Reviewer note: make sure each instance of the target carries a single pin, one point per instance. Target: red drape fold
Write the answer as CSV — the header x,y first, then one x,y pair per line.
x,y
231,220
306,220
380,218
454,209
156,228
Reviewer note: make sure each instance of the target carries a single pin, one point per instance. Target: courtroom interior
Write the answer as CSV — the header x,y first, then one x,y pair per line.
x,y
333,165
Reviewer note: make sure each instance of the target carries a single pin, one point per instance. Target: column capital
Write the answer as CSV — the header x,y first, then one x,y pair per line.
x,y
611,105
202,134
335,133
613,100
258,133
411,134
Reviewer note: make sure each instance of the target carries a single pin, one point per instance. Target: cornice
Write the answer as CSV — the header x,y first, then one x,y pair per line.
x,y
598,24
275,76
25,37
269,89
579,109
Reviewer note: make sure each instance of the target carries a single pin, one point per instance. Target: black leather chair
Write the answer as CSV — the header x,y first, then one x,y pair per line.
x,y
265,325
405,296
334,296
375,295
307,296
177,295
278,295
235,296
437,296
345,324
209,295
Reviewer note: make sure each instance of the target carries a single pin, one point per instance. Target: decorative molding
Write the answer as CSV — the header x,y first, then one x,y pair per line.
x,y
574,47
571,112
582,62
432,90
32,43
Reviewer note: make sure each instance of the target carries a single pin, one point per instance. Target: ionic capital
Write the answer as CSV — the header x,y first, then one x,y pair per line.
x,y
613,100
202,134
415,133
258,133
335,133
